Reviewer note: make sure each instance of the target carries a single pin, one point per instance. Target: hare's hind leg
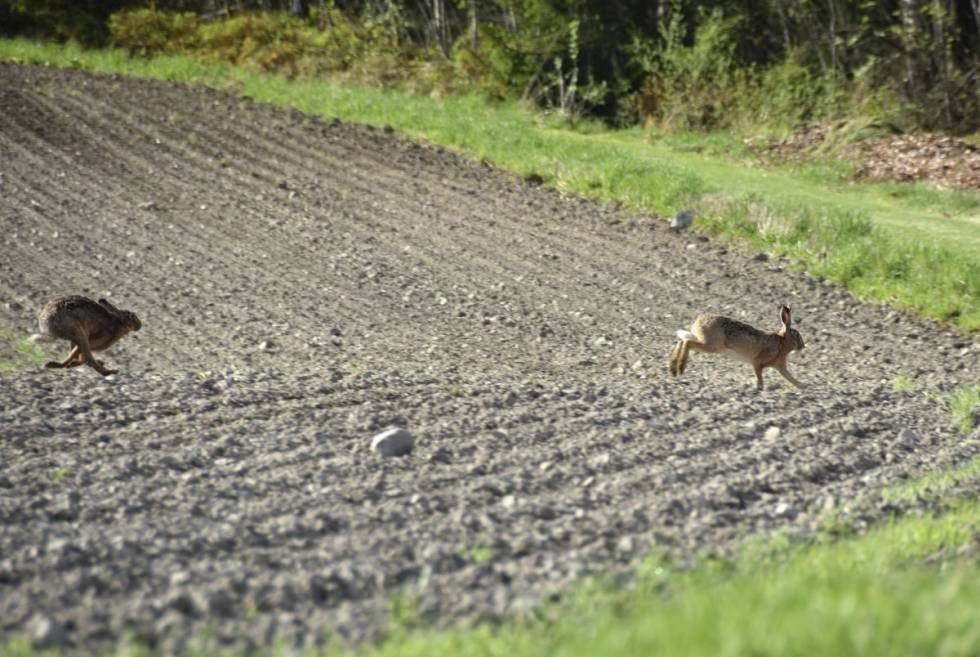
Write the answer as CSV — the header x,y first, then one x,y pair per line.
x,y
686,347
68,362
81,360
675,358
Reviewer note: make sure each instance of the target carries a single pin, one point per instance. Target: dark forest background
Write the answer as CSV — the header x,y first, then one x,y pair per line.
x,y
907,64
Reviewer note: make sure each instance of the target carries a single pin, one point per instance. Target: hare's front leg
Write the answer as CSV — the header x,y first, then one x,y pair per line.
x,y
68,362
789,377
758,375
88,358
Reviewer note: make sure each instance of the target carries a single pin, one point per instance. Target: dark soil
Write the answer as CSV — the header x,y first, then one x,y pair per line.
x,y
304,284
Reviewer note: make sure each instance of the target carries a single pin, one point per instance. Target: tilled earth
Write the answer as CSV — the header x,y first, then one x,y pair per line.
x,y
304,284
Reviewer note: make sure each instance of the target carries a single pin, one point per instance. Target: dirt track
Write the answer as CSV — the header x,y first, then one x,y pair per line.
x,y
305,283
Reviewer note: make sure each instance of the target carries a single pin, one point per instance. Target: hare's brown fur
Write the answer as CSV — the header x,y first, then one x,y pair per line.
x,y
89,326
713,334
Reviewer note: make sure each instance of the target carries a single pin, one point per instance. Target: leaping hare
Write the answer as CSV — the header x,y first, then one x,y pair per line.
x,y
714,334
89,326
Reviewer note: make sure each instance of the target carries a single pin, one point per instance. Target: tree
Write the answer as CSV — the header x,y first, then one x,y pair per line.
x,y
300,8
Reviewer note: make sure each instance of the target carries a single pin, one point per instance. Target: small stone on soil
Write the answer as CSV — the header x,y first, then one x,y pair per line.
x,y
48,633
393,442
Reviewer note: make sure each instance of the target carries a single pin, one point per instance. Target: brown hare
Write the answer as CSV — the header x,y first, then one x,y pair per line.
x,y
714,334
89,326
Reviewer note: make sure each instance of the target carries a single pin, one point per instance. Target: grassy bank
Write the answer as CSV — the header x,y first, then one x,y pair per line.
x,y
913,246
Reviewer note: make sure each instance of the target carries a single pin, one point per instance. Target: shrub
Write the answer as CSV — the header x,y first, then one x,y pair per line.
x,y
371,50
695,85
149,32
788,94
266,42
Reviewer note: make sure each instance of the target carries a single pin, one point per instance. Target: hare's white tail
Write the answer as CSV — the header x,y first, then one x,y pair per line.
x,y
686,335
41,337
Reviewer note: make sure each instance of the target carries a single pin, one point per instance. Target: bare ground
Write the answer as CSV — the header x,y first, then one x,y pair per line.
x,y
305,283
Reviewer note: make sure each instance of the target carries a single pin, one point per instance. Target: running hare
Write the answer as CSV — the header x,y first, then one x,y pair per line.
x,y
720,334
89,326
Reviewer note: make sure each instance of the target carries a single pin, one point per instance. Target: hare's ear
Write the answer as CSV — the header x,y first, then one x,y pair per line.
x,y
785,317
108,306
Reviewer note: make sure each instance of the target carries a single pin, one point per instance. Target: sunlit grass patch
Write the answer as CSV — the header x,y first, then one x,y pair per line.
x,y
965,406
935,484
17,352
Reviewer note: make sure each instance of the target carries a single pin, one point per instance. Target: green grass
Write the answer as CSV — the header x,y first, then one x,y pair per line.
x,y
965,406
17,352
935,484
910,245
903,383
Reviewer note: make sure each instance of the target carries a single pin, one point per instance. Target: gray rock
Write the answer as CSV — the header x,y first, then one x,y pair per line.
x,y
183,602
785,510
48,633
64,507
682,220
909,438
393,442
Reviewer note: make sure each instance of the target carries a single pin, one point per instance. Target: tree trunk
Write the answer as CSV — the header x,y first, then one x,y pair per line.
x,y
474,33
832,28
439,25
910,38
299,8
940,16
975,5
784,28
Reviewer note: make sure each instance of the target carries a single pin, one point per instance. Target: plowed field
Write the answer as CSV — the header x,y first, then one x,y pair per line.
x,y
303,284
